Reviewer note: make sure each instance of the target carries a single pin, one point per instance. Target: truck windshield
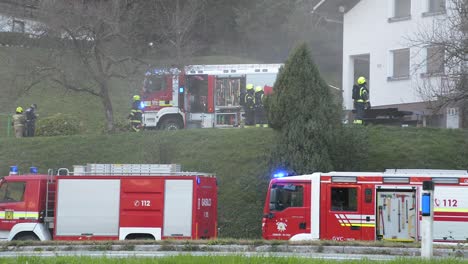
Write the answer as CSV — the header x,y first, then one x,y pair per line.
x,y
12,192
285,196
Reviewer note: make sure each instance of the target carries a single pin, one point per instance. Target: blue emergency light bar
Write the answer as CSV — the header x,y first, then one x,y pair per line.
x,y
13,170
33,170
181,89
142,105
280,174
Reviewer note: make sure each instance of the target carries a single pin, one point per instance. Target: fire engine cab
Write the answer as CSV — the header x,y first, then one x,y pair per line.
x,y
201,96
347,206
109,202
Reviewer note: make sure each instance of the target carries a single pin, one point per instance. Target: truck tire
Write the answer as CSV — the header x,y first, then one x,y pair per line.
x,y
171,123
27,236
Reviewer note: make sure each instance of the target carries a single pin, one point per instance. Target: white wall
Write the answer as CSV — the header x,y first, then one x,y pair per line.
x,y
367,31
6,24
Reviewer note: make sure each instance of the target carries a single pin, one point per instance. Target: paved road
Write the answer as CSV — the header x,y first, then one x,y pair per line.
x,y
155,254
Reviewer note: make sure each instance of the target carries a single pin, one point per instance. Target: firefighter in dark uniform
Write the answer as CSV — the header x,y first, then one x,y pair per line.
x,y
136,114
361,100
31,117
249,106
259,108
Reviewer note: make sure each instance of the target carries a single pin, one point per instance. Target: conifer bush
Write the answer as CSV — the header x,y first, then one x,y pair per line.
x,y
310,136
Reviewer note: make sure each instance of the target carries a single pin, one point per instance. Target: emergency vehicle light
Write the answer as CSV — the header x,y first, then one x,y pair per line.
x,y
181,89
198,180
13,170
33,170
142,105
396,180
344,179
444,180
280,174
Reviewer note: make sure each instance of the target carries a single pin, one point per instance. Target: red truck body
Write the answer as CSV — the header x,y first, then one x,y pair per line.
x,y
176,205
347,206
201,96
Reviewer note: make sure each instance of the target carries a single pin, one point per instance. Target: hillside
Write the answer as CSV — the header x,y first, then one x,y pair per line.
x,y
239,158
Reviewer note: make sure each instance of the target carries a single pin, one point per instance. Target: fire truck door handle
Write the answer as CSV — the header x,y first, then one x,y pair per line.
x,y
367,218
269,216
355,228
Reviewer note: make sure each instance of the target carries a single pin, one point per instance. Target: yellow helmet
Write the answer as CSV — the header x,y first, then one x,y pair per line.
x,y
258,89
136,97
249,86
361,80
19,109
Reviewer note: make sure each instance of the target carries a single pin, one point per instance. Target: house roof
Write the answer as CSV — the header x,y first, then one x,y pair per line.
x,y
332,6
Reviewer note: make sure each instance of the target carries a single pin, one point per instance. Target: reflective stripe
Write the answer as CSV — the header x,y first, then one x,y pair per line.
x,y
18,215
459,210
360,101
135,121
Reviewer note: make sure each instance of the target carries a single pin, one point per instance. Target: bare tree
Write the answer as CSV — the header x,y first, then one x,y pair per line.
x,y
90,45
446,43
175,25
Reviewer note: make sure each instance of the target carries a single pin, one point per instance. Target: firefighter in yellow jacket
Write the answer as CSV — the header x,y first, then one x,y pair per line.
x,y
136,114
19,121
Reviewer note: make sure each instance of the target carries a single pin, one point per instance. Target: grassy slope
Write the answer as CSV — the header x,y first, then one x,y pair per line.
x,y
239,157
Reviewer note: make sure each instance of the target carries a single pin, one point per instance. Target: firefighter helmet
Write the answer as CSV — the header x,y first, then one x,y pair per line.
x,y
136,98
249,86
258,89
361,80
19,109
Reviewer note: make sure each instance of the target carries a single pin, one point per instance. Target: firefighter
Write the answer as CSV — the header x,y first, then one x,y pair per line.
x,y
19,120
136,114
361,99
31,117
259,108
249,106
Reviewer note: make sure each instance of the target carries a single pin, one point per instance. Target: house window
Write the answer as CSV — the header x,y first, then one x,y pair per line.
x,y
401,63
18,26
436,6
435,60
402,8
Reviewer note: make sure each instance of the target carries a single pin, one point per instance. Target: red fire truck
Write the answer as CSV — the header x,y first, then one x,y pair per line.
x,y
109,202
347,206
200,95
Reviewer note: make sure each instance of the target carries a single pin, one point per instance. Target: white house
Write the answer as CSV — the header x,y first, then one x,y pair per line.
x,y
378,43
18,16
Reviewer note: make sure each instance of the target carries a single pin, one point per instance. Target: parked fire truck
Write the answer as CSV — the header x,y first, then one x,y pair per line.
x,y
201,95
109,202
347,206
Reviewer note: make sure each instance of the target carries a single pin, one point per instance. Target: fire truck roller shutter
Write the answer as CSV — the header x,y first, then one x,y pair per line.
x,y
88,206
178,195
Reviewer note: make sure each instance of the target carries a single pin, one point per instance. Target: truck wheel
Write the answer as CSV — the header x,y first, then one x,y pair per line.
x,y
30,237
171,124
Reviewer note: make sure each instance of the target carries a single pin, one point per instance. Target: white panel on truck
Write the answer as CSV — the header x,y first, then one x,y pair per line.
x,y
178,208
88,207
261,79
451,206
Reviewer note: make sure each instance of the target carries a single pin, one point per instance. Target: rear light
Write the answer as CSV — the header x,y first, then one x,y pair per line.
x,y
41,216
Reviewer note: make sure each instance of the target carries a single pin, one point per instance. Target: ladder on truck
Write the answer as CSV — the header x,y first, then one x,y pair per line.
x,y
124,169
232,69
49,213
